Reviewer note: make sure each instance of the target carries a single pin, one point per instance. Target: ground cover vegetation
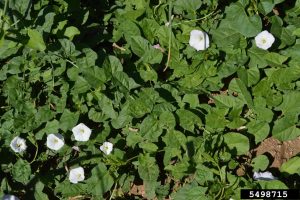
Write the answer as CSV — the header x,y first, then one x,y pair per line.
x,y
169,97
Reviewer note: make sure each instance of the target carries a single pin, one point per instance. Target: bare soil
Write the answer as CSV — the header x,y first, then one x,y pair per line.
x,y
279,152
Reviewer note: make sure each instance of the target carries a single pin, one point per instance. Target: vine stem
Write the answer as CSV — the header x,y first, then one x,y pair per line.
x,y
4,12
69,61
36,152
195,20
170,35
112,193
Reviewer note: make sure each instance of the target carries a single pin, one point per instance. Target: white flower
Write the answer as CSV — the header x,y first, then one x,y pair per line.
x,y
264,40
263,176
10,197
55,141
107,148
18,144
82,132
76,175
199,40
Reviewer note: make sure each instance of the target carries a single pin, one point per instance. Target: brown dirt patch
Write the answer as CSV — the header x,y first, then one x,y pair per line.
x,y
137,190
280,151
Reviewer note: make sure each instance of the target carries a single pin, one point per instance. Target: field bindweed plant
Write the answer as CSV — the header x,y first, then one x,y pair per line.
x,y
145,99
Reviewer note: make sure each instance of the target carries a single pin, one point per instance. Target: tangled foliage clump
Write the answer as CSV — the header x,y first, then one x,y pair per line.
x,y
98,97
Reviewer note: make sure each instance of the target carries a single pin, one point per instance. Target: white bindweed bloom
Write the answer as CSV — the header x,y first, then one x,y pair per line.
x,y
263,176
107,148
264,40
199,40
76,175
82,132
18,144
55,141
10,197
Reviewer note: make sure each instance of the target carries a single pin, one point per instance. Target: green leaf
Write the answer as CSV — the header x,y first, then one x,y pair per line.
x,y
122,80
180,169
227,38
297,32
100,182
20,5
8,48
266,6
127,28
253,76
191,99
141,105
224,101
237,19
149,27
188,119
122,119
148,146
94,76
285,75
150,188
190,192
150,128
216,114
285,128
260,163
68,120
287,36
96,116
188,5
147,53
203,174
80,86
175,139
290,103
148,74
51,127
112,65
292,166
133,138
71,31
147,168
167,120
48,21
68,189
38,193
44,114
275,59
260,130
237,143
273,184
36,40
236,85
21,171
257,57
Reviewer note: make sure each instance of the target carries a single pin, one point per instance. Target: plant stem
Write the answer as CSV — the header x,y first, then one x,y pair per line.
x,y
112,193
4,12
170,35
195,20
36,152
